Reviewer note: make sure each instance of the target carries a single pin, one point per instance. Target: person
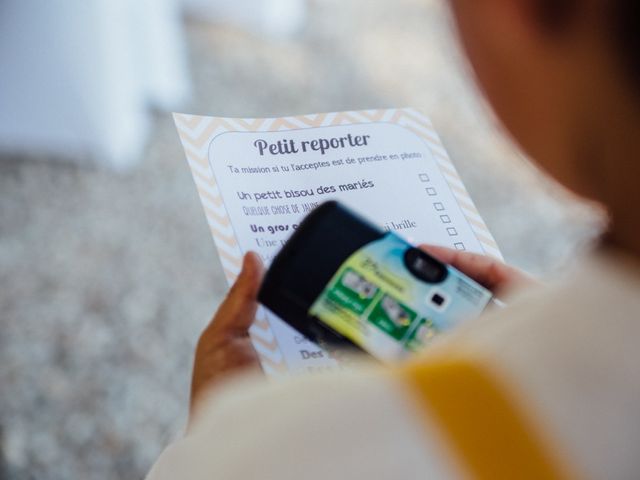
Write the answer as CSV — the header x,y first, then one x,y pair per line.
x,y
548,387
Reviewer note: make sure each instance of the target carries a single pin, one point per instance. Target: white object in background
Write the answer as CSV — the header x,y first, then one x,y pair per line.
x,y
78,77
273,17
161,58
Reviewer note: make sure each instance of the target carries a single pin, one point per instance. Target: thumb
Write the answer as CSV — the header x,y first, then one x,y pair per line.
x,y
237,311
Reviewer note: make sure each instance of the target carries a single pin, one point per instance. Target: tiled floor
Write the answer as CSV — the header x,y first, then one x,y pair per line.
x,y
100,306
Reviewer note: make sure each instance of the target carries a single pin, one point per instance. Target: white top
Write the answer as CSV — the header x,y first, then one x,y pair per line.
x,y
569,356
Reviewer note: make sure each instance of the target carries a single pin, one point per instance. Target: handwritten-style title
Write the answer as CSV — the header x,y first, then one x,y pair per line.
x,y
322,145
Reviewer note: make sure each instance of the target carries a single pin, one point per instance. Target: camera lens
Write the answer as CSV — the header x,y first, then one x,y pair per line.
x,y
425,267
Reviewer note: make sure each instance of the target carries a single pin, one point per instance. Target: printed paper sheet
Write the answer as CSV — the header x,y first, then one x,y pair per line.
x,y
258,177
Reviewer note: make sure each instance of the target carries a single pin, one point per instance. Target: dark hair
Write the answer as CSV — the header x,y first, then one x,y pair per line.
x,y
625,19
622,21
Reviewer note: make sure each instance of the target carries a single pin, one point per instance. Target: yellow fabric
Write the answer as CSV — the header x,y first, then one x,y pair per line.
x,y
490,436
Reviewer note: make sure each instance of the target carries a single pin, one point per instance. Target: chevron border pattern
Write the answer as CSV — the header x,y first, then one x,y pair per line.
x,y
196,133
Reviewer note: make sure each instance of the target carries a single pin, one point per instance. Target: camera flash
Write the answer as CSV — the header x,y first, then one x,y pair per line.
x,y
438,300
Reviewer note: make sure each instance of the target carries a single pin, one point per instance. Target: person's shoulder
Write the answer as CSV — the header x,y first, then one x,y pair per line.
x,y
359,423
568,352
594,307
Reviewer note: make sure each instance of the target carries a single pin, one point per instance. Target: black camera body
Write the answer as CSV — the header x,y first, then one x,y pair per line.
x,y
343,282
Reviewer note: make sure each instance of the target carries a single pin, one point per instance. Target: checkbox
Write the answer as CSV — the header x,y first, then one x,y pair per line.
x,y
431,191
438,206
452,231
459,246
423,177
445,219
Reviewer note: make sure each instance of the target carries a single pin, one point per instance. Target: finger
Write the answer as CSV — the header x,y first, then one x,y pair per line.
x,y
237,311
484,269
210,368
444,254
239,355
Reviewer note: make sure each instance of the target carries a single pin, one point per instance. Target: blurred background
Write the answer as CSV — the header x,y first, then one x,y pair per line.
x,y
107,269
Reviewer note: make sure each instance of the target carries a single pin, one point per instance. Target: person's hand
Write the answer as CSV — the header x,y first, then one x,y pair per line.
x,y
224,348
487,271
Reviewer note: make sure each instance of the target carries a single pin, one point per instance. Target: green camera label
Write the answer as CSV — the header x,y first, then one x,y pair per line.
x,y
375,301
